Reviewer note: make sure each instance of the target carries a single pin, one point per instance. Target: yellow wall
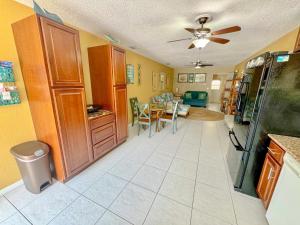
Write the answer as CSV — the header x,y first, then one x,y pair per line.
x,y
284,43
214,95
15,121
144,91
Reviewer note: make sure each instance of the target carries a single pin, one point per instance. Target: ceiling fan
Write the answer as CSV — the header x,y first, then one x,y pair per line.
x,y
199,64
203,35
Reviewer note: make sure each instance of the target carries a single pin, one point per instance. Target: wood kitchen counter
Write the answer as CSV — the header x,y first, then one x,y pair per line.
x,y
289,144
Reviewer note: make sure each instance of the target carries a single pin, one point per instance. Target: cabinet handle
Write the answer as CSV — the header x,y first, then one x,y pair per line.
x,y
273,151
271,174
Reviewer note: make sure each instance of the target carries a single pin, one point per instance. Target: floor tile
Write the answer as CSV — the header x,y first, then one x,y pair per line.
x,y
20,196
169,150
139,156
200,218
111,219
85,179
54,199
178,188
6,209
183,168
133,204
105,190
149,177
188,152
16,219
247,208
168,212
215,202
125,169
213,177
82,211
159,161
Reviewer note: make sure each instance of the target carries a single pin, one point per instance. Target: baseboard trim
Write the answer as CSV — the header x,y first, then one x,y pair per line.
x,y
11,187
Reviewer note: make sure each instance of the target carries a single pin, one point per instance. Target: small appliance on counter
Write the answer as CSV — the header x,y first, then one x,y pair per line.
x,y
93,108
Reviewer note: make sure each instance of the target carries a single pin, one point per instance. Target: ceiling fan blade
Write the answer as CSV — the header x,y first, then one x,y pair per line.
x,y
206,65
218,40
190,30
183,39
226,30
191,46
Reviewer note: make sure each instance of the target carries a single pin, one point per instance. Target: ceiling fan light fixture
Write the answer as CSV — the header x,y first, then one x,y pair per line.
x,y
197,67
201,42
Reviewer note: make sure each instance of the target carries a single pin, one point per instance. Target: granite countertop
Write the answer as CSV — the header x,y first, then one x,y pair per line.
x,y
290,144
99,113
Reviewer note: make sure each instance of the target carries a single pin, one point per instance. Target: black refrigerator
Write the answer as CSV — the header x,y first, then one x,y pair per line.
x,y
276,109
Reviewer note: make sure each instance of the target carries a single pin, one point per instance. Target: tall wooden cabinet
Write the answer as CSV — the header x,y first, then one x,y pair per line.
x,y
108,78
50,59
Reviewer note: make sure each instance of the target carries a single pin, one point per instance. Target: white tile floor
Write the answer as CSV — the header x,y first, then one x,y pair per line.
x,y
164,180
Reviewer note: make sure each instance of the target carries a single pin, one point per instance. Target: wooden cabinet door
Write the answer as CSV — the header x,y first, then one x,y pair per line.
x,y
120,94
63,54
71,115
119,66
268,180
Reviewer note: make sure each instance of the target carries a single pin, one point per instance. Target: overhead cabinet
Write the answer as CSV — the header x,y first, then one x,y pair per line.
x,y
50,60
108,79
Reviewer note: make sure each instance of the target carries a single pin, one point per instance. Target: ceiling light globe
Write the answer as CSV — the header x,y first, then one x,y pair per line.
x,y
201,42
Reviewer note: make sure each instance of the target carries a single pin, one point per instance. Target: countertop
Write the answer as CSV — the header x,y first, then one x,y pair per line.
x,y
290,144
98,114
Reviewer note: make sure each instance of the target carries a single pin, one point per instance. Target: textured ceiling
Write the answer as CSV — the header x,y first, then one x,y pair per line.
x,y
149,24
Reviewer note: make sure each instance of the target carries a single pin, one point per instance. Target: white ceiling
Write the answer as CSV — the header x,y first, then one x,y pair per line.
x,y
149,24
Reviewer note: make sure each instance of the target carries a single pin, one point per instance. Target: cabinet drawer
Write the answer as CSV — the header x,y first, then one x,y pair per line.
x,y
104,146
100,121
276,152
101,133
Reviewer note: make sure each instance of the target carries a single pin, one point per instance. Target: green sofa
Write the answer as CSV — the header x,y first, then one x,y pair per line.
x,y
195,98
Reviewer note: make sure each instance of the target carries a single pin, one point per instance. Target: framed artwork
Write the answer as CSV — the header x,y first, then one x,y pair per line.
x,y
182,78
162,79
130,73
200,78
139,74
191,77
155,81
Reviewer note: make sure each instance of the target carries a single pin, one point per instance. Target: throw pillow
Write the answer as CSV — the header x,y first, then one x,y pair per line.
x,y
202,96
188,95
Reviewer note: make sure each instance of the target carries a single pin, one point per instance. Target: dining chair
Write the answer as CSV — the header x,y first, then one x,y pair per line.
x,y
134,108
145,117
170,118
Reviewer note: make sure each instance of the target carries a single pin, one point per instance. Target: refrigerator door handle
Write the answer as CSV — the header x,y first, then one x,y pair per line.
x,y
237,145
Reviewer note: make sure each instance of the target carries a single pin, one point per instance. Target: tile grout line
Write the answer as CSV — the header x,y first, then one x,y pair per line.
x,y
15,213
228,185
128,182
157,193
196,174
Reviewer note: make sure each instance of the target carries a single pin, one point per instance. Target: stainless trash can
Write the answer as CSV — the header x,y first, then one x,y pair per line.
x,y
33,161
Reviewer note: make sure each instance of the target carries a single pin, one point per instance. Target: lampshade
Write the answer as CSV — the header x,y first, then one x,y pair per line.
x,y
201,42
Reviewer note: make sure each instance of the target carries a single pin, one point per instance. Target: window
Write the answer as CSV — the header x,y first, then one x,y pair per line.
x,y
215,84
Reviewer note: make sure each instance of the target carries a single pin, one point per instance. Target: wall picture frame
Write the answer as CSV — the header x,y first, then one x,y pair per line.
x,y
182,77
155,76
130,73
162,79
200,78
191,77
